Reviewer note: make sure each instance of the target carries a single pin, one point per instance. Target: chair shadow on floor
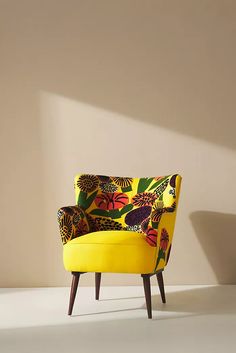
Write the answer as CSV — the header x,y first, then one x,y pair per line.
x,y
206,300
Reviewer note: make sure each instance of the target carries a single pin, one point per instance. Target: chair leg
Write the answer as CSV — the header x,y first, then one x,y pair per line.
x,y
74,286
147,291
97,284
161,286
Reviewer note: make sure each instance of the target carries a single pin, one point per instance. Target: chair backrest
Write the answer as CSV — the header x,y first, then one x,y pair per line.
x,y
125,203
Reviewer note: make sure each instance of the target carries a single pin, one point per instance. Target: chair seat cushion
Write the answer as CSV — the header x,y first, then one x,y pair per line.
x,y
116,251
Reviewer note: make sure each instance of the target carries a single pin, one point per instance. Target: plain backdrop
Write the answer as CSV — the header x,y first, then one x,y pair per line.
x,y
117,87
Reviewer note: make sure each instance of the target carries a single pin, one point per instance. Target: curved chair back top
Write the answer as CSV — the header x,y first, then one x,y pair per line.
x,y
125,202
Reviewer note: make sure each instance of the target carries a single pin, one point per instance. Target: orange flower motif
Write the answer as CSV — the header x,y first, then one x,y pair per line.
x,y
151,236
111,201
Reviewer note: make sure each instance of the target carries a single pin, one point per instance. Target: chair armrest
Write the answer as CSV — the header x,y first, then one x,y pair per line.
x,y
153,225
166,224
165,232
73,223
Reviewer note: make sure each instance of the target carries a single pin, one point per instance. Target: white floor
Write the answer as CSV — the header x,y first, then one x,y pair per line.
x,y
195,319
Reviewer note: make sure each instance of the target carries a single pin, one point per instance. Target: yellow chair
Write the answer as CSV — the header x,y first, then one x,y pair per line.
x,y
119,225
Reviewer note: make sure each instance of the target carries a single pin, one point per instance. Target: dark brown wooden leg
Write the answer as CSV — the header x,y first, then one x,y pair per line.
x,y
147,291
97,284
74,285
161,286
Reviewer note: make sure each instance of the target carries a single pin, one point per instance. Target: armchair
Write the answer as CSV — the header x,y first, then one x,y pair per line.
x,y
119,225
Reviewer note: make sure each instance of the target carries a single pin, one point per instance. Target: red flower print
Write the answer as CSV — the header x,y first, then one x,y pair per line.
x,y
151,236
111,201
164,239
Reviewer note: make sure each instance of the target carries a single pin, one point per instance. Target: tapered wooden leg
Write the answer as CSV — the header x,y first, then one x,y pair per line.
x,y
147,291
74,285
97,284
161,286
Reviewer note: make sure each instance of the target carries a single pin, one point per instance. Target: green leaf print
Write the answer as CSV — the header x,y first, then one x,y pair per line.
x,y
143,184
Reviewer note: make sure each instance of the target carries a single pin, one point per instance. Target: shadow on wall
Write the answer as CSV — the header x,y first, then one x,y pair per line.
x,y
216,233
178,79
171,66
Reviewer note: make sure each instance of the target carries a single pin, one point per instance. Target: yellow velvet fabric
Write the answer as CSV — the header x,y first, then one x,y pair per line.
x,y
117,251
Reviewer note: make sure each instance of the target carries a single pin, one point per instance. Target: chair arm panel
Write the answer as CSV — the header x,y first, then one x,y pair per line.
x,y
165,232
72,222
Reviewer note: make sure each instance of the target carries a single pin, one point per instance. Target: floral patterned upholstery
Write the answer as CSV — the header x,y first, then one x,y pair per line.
x,y
123,203
73,222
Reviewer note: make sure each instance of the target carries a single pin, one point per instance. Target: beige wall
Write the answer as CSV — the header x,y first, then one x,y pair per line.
x,y
125,88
